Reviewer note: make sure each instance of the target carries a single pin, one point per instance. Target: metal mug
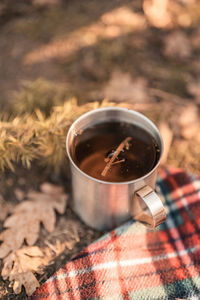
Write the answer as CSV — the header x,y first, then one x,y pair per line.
x,y
104,205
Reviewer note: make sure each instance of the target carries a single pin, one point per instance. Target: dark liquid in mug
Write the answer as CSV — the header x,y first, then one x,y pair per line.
x,y
94,147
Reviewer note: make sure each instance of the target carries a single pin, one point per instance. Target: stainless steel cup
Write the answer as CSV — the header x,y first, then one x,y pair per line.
x,y
104,205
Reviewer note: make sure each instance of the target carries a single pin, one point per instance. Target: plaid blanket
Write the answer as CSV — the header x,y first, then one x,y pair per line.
x,y
133,262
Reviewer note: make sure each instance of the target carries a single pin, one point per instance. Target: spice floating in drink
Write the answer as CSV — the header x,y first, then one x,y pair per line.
x,y
111,161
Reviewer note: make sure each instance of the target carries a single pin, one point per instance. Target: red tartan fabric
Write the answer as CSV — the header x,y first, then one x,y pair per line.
x,y
133,262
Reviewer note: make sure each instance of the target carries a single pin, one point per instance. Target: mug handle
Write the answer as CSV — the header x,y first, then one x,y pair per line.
x,y
148,207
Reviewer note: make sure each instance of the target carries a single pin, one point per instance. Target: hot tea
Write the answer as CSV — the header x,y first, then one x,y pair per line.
x,y
115,151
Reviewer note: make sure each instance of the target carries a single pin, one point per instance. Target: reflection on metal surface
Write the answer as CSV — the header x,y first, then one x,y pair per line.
x,y
148,208
105,205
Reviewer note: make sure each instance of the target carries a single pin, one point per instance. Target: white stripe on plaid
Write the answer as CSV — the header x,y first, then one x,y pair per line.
x,y
123,263
171,205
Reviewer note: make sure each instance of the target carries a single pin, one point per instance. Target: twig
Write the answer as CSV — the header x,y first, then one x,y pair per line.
x,y
118,161
116,153
50,246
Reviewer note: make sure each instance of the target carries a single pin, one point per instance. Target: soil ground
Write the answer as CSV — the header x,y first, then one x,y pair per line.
x,y
95,50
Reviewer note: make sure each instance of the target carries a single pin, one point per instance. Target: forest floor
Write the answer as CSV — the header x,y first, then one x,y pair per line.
x,y
92,50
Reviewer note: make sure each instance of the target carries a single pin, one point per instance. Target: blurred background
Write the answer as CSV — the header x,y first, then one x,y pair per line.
x,y
145,52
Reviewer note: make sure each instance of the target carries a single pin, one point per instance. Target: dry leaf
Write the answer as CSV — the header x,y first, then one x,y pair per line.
x,y
24,223
157,13
19,266
167,136
177,45
5,208
122,87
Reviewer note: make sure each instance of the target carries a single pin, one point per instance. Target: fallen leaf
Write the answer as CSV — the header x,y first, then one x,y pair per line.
x,y
157,13
122,87
20,266
177,45
5,208
24,223
167,136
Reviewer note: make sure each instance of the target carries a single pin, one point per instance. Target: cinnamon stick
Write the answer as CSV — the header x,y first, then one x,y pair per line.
x,y
116,153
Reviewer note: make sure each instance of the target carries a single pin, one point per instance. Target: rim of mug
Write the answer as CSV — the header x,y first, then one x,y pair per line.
x,y
93,111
